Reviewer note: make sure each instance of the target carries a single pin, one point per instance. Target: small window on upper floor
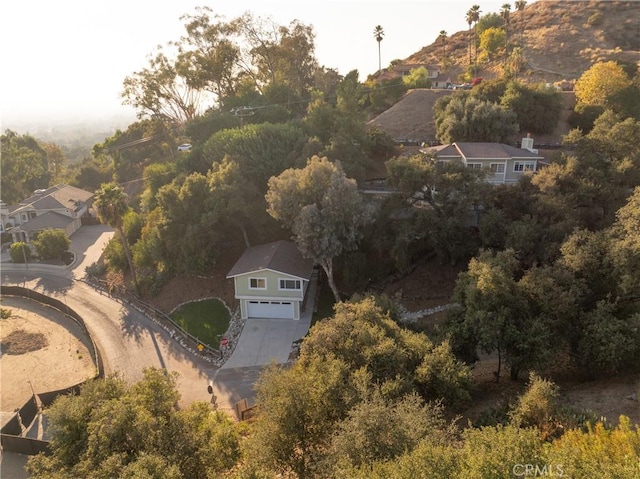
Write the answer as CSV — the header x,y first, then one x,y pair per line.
x,y
257,283
291,284
524,166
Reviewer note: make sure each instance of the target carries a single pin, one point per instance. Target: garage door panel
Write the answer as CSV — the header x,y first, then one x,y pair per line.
x,y
270,309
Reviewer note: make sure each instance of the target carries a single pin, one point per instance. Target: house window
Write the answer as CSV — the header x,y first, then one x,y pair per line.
x,y
290,284
497,168
24,217
474,166
257,283
524,166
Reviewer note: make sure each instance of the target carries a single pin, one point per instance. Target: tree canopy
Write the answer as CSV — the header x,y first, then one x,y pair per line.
x,y
24,166
465,118
113,429
323,209
600,83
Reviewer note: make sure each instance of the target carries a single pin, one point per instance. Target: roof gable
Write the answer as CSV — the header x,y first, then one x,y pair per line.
x,y
51,219
281,256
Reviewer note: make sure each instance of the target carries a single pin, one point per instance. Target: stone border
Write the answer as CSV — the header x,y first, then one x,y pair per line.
x,y
236,325
409,317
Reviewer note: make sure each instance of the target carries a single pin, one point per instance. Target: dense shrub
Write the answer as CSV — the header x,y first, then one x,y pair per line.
x,y
51,243
20,251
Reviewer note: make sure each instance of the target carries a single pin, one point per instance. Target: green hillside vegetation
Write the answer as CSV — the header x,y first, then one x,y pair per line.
x,y
548,284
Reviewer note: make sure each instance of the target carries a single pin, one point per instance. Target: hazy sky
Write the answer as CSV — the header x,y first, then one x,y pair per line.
x,y
68,58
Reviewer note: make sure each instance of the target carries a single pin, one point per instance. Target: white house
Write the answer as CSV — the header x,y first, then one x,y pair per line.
x,y
271,281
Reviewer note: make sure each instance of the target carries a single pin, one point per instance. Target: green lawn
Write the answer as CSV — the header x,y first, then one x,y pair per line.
x,y
207,320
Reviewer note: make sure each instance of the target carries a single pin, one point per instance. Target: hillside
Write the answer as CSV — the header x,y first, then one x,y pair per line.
x,y
412,118
561,39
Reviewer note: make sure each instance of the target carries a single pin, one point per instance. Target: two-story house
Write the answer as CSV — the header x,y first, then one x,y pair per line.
x,y
271,280
506,163
61,206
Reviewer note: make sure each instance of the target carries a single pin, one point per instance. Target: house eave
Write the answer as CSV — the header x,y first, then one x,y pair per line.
x,y
257,271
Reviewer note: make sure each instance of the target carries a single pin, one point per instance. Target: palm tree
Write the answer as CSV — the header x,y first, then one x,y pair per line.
x,y
520,4
378,34
469,19
111,203
505,12
443,37
475,17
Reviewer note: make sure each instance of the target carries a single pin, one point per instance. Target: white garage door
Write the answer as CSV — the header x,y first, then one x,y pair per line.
x,y
270,309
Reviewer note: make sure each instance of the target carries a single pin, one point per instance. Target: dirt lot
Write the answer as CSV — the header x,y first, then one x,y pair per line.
x,y
41,348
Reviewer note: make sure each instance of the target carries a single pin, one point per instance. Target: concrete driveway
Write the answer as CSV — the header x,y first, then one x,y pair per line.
x,y
262,342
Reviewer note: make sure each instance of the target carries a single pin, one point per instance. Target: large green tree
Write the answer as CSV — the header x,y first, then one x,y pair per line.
x,y
260,151
537,107
113,429
494,313
340,127
323,209
297,410
396,360
356,394
111,204
209,55
465,118
24,166
187,226
600,83
452,194
161,90
280,55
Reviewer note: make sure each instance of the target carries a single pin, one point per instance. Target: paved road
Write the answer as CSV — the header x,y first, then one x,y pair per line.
x,y
128,340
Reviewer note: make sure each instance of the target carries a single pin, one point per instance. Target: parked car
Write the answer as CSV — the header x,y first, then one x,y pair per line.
x,y
184,147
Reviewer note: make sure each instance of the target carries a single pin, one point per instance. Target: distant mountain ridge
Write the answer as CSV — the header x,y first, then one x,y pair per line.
x,y
561,39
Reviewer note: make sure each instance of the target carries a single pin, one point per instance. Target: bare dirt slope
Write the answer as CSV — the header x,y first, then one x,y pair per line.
x,y
561,39
41,349
412,117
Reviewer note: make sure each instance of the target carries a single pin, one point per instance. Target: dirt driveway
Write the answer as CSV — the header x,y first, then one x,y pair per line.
x,y
41,349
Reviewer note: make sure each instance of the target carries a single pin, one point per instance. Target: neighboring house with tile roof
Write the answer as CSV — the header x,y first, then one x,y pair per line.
x,y
271,280
506,164
61,206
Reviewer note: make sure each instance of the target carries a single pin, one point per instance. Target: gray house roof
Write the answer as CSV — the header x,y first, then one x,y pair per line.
x,y
282,256
50,219
485,151
57,197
